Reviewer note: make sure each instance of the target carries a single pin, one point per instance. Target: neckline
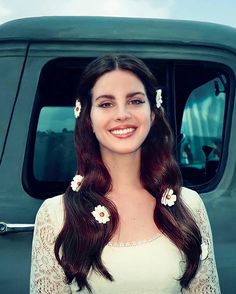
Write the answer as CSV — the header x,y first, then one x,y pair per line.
x,y
135,243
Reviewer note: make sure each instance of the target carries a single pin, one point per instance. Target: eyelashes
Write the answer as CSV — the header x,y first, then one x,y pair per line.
x,y
105,105
137,101
131,102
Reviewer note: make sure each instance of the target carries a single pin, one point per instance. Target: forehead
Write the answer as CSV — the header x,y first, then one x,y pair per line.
x,y
118,80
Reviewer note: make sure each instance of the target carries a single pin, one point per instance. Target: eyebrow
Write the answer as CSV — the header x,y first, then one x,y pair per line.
x,y
127,96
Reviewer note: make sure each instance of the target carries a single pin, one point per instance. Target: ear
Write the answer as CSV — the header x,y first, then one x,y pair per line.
x,y
152,117
92,126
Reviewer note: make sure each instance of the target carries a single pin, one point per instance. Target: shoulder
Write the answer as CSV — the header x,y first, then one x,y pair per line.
x,y
52,211
56,201
191,199
54,204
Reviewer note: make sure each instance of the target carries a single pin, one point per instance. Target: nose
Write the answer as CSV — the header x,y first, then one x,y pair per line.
x,y
122,113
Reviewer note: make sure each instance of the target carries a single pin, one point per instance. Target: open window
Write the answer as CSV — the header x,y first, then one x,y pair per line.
x,y
202,93
196,95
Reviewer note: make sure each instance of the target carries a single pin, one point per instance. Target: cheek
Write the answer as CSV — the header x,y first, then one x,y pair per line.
x,y
97,120
146,117
94,117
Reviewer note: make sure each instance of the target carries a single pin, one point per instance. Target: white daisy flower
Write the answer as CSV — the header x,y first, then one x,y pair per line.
x,y
204,247
101,214
75,184
158,98
77,108
168,197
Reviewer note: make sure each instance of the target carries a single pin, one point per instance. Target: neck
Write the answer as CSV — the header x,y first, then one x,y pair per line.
x,y
124,170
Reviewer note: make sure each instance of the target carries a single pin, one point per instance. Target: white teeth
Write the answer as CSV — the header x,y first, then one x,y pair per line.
x,y
124,131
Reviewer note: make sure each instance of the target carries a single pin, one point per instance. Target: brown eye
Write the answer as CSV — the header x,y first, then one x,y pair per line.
x,y
105,105
137,101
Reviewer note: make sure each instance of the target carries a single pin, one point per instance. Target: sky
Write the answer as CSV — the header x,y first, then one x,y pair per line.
x,y
216,11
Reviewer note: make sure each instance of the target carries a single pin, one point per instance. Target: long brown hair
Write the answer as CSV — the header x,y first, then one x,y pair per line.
x,y
82,239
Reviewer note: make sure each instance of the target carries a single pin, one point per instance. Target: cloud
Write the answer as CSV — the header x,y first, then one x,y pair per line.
x,y
128,8
195,10
5,13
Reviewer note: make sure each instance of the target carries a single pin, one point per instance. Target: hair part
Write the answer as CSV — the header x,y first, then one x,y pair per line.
x,y
82,239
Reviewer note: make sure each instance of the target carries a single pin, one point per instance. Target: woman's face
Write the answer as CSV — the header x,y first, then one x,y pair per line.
x,y
120,113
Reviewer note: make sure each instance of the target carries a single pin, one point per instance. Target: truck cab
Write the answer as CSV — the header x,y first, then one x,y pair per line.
x,y
41,60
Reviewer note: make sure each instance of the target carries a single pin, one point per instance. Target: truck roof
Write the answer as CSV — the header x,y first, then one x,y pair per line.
x,y
118,29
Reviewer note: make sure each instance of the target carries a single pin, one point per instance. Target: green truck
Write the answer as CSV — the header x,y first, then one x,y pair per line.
x,y
41,60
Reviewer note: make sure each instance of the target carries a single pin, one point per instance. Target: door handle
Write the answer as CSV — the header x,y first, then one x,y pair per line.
x,y
15,228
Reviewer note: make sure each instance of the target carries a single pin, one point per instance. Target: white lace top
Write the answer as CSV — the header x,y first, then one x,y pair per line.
x,y
147,267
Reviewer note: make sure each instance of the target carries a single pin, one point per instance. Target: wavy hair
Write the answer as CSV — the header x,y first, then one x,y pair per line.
x,y
79,246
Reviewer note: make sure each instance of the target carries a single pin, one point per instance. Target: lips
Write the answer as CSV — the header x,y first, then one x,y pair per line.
x,y
123,131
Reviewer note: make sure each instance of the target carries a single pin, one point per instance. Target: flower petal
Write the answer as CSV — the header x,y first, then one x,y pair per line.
x,y
77,108
158,98
168,198
101,214
76,182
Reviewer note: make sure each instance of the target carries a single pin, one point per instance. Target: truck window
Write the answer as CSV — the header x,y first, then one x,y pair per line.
x,y
195,95
202,90
54,156
202,130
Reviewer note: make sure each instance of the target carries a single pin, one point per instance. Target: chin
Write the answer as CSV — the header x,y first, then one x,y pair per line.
x,y
122,151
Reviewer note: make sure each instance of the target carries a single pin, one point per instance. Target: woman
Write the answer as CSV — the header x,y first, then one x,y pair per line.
x,y
125,225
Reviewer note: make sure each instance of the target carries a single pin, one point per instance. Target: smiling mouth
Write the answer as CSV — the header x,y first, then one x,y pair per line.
x,y
123,131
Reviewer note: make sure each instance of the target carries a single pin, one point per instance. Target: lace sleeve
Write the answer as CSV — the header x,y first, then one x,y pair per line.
x,y
47,275
206,280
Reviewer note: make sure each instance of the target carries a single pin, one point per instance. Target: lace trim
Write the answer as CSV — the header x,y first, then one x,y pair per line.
x,y
206,280
134,243
47,276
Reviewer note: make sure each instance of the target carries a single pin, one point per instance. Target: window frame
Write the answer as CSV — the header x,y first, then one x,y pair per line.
x,y
162,53
228,111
